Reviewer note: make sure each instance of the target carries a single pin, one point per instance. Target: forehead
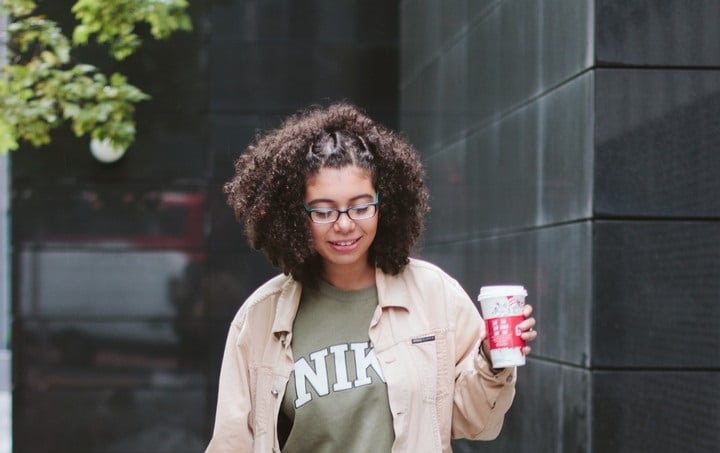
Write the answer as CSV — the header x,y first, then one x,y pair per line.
x,y
339,184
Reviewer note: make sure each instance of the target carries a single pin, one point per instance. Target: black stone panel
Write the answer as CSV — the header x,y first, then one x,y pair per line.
x,y
566,128
657,138
551,413
661,412
454,18
454,109
503,68
532,168
478,8
506,71
272,77
451,198
434,100
554,264
657,33
230,135
421,35
369,21
502,172
420,106
657,287
109,420
563,287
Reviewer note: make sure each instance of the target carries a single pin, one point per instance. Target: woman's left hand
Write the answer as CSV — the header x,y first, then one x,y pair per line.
x,y
527,329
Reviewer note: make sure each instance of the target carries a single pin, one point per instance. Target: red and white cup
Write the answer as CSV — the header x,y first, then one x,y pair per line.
x,y
502,309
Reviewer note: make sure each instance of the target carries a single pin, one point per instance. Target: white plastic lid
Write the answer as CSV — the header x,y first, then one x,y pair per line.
x,y
502,290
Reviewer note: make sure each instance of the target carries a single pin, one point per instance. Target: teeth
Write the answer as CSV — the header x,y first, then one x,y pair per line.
x,y
345,243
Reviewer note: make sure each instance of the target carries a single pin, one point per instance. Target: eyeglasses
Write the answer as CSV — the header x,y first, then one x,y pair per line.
x,y
330,215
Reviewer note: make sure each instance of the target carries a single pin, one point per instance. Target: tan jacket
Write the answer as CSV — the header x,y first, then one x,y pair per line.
x,y
439,388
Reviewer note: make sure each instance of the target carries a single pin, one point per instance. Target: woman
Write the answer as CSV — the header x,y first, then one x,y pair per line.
x,y
356,347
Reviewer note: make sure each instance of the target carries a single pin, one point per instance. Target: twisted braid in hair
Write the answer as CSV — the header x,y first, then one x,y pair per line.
x,y
268,188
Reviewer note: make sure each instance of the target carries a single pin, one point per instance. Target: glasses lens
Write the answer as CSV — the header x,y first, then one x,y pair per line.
x,y
362,212
324,215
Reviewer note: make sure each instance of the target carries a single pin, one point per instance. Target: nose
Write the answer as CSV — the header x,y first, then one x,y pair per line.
x,y
344,222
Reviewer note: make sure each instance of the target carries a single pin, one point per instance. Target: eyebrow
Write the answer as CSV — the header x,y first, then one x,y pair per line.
x,y
328,200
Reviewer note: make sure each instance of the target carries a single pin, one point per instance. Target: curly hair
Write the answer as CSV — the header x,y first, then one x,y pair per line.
x,y
268,188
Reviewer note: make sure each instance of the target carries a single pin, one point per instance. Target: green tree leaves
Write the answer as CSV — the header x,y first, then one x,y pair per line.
x,y
41,87
113,22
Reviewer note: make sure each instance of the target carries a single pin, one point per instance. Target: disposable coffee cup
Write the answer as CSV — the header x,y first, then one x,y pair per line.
x,y
502,309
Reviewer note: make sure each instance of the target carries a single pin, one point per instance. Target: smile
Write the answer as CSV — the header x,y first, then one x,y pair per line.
x,y
347,243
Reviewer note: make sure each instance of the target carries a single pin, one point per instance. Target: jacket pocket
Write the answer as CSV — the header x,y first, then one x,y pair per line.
x,y
422,351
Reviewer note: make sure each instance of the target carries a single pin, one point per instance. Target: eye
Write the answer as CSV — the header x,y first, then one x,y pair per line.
x,y
322,213
361,209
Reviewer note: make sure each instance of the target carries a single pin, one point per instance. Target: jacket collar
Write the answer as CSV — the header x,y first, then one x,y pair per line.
x,y
287,306
392,292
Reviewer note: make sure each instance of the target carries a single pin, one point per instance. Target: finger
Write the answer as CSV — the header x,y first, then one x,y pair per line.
x,y
528,324
527,310
529,335
526,350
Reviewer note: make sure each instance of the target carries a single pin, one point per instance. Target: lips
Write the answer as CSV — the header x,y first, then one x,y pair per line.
x,y
344,244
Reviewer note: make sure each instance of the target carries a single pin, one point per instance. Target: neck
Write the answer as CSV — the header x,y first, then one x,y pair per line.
x,y
346,277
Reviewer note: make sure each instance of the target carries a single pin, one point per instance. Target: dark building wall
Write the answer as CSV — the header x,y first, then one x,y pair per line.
x,y
656,327
571,146
125,276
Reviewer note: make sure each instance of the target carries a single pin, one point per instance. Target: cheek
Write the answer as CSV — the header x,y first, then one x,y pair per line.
x,y
372,230
315,235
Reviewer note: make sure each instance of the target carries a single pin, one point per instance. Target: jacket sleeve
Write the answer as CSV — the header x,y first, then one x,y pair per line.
x,y
481,397
233,429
